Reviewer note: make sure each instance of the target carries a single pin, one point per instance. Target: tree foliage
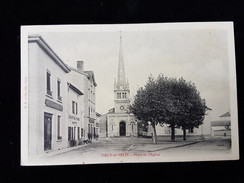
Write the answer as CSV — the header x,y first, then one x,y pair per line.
x,y
172,101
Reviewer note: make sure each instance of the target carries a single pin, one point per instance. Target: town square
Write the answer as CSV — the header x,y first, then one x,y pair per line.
x,y
123,95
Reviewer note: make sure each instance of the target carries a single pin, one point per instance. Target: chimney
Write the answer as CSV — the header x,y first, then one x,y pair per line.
x,y
80,66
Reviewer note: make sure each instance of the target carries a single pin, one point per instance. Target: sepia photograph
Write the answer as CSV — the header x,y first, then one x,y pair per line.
x,y
128,93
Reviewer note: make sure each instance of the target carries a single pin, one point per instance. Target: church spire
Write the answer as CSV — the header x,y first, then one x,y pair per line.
x,y
121,70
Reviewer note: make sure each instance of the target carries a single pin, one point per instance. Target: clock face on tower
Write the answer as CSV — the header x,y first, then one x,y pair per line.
x,y
122,107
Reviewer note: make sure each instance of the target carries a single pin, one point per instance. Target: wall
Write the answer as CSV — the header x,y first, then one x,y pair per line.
x,y
202,129
39,63
77,79
103,126
115,119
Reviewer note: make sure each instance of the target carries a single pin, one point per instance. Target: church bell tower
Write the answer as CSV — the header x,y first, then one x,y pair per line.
x,y
121,86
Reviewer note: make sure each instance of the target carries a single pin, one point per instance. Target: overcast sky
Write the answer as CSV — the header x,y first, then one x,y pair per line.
x,y
200,56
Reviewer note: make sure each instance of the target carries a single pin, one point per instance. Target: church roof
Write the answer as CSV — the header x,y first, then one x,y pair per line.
x,y
111,111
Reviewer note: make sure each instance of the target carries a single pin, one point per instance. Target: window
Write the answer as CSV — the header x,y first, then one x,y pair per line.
x,y
78,132
112,127
59,137
74,133
118,95
125,95
88,128
88,94
73,107
58,89
81,132
89,112
49,92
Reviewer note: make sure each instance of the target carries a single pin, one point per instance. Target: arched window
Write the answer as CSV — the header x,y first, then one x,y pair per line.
x,y
112,127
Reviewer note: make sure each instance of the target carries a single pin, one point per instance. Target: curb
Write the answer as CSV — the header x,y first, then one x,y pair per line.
x,y
61,151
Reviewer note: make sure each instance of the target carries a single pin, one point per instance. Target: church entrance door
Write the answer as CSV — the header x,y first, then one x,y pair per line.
x,y
122,131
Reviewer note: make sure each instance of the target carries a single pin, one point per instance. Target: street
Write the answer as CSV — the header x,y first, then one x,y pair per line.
x,y
133,149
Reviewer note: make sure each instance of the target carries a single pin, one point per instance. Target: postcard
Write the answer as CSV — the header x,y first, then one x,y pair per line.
x,y
128,93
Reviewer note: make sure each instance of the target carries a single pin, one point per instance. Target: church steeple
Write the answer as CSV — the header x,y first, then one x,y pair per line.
x,y
121,87
121,79
121,68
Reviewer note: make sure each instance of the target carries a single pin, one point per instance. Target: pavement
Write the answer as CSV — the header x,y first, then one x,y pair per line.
x,y
131,144
61,151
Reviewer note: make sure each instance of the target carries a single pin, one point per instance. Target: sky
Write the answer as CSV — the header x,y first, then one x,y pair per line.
x,y
200,56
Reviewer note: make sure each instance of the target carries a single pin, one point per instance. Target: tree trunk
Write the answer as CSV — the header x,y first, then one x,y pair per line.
x,y
154,133
173,133
184,133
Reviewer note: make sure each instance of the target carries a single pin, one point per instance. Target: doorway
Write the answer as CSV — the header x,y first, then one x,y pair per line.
x,y
122,129
47,131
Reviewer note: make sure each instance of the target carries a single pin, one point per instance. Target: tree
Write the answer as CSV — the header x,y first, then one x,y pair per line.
x,y
171,101
147,105
192,107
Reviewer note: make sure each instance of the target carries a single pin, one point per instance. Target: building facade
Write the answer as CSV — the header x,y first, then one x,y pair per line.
x,y
103,124
47,96
164,129
221,127
97,126
61,110
120,122
76,92
90,103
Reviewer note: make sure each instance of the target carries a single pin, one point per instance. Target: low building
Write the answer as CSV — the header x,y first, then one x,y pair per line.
x,y
221,127
75,115
164,129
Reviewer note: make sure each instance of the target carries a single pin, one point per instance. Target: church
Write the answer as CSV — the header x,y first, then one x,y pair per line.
x,y
119,121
